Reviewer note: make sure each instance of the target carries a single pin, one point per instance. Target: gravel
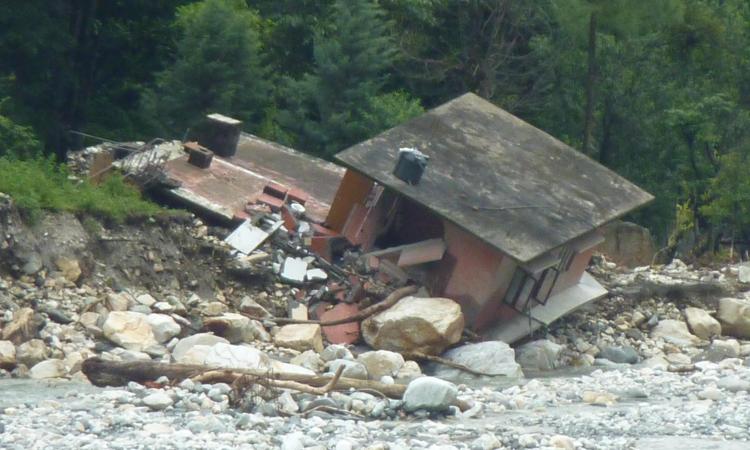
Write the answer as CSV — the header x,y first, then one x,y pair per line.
x,y
707,408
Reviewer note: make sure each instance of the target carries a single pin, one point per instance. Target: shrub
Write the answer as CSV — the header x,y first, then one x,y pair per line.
x,y
40,183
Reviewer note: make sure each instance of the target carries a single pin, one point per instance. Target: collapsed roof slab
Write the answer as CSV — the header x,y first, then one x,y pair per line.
x,y
229,184
512,185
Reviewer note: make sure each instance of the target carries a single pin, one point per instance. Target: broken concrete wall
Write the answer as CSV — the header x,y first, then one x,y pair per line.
x,y
475,275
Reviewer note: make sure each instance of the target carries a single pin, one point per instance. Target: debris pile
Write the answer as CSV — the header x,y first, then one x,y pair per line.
x,y
669,316
275,325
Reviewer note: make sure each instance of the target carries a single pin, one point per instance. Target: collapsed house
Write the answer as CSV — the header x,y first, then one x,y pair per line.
x,y
468,200
504,218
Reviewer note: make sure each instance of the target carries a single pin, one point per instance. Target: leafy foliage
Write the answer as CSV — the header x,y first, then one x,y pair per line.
x,y
41,184
338,103
217,68
657,91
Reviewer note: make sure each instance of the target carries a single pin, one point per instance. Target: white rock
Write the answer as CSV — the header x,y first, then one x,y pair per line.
x,y
237,328
308,359
130,330
743,273
283,368
336,351
194,355
539,355
701,323
675,332
51,368
158,401
734,315
32,352
426,325
292,441
7,354
163,307
163,326
118,301
352,369
429,393
561,441
380,363
146,300
251,307
300,337
197,339
408,372
237,357
490,357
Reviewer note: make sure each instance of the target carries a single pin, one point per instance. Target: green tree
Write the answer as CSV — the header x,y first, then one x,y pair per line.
x,y
340,101
17,140
218,67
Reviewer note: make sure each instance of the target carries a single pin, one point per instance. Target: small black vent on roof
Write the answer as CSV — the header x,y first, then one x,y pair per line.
x,y
410,165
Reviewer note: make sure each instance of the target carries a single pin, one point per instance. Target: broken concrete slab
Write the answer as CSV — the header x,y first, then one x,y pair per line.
x,y
246,237
293,270
316,275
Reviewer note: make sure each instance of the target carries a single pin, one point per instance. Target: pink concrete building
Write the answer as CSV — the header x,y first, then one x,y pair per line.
x,y
503,220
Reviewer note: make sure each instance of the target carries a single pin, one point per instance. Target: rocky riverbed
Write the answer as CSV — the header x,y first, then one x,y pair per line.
x,y
641,408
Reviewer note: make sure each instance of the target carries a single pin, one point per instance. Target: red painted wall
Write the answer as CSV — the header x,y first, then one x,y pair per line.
x,y
475,277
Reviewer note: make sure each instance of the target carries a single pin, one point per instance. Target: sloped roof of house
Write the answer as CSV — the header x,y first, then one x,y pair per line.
x,y
510,184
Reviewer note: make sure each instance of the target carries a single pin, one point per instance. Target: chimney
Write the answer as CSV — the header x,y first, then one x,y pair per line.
x,y
220,134
197,155
410,165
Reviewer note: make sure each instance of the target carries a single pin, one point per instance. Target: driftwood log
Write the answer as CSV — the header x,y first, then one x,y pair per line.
x,y
389,301
111,373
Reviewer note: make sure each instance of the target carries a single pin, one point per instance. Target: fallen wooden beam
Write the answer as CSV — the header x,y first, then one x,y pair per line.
x,y
114,373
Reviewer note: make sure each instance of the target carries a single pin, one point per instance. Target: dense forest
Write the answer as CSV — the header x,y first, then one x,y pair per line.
x,y
658,90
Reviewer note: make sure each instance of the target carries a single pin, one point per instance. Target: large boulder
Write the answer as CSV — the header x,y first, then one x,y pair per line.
x,y
23,327
300,337
426,325
130,330
539,355
675,332
429,393
32,352
701,323
51,368
734,315
627,244
118,301
719,350
203,339
381,363
352,369
490,357
619,355
69,268
7,355
236,328
163,326
743,273
253,308
237,357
